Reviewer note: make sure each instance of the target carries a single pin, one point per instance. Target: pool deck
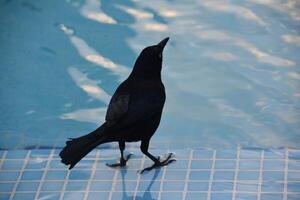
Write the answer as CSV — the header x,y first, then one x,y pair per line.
x,y
248,174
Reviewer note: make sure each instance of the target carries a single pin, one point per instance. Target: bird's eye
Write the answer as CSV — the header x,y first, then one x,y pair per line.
x,y
159,55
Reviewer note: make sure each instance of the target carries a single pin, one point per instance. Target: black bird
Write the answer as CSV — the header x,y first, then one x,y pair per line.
x,y
133,114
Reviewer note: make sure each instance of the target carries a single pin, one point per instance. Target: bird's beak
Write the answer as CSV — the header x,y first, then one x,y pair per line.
x,y
163,43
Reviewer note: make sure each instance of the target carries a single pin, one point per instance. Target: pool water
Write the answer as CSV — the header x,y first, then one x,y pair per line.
x,y
231,69
232,114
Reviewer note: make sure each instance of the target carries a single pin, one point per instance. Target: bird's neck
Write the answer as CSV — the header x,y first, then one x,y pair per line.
x,y
146,77
145,73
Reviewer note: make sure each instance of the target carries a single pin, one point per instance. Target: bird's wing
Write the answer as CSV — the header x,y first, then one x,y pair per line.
x,y
127,109
143,105
117,108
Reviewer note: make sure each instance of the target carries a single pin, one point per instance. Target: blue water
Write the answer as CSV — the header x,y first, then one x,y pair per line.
x,y
231,69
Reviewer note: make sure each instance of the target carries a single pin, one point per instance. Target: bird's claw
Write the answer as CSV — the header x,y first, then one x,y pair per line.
x,y
122,162
165,162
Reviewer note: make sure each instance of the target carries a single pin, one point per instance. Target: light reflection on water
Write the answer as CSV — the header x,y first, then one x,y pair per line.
x,y
231,69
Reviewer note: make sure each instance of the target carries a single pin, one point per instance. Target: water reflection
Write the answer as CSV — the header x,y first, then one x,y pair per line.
x,y
291,39
145,20
92,115
92,10
89,86
261,56
146,195
227,7
222,56
289,7
91,54
230,70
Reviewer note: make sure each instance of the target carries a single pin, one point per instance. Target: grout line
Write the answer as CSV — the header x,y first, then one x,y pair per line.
x,y
236,171
260,178
93,158
286,174
176,191
187,175
139,177
204,169
211,175
94,168
26,159
175,180
114,182
2,159
44,173
162,182
64,185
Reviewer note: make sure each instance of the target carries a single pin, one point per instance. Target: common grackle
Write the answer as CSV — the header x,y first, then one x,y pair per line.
x,y
133,114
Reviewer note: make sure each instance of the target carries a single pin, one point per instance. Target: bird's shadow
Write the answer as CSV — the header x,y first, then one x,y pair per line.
x,y
147,193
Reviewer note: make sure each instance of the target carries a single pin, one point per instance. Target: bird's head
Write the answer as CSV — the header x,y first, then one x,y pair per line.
x,y
149,62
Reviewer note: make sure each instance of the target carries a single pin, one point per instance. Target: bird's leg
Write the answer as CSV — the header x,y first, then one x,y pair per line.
x,y
157,163
123,160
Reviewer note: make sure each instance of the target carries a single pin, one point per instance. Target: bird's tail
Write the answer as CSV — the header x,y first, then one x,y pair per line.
x,y
77,148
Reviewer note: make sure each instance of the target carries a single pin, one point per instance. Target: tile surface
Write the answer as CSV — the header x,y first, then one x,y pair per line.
x,y
236,174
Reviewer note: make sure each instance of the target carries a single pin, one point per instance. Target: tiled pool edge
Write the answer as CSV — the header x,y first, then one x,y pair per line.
x,y
202,173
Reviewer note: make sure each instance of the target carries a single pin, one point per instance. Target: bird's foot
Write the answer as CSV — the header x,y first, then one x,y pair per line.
x,y
122,162
159,163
